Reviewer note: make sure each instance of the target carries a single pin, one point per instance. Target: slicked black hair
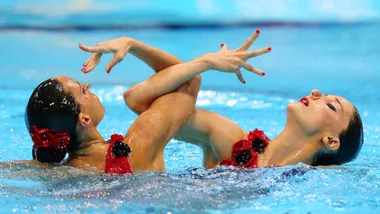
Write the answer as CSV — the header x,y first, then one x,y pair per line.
x,y
51,107
351,141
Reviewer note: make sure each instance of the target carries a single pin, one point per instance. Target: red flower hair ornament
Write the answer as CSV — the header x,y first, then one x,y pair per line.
x,y
47,138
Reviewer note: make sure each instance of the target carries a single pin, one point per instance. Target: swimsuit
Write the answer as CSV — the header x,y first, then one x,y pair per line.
x,y
245,153
117,156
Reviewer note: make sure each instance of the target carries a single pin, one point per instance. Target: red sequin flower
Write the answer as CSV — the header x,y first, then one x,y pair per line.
x,y
117,163
243,151
115,138
258,134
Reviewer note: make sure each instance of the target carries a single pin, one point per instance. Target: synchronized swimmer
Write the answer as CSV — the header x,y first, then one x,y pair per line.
x,y
320,129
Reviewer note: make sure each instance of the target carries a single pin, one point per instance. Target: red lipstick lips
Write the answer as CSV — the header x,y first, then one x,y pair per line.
x,y
304,101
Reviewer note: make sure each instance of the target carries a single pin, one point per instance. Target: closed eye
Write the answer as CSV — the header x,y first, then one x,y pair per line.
x,y
331,106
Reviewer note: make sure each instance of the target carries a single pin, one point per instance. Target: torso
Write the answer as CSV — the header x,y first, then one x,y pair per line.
x,y
143,159
215,149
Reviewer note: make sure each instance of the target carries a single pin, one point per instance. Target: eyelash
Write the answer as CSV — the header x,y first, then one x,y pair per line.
x,y
331,106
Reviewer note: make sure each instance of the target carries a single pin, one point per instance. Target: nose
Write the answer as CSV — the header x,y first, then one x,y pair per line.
x,y
315,94
86,86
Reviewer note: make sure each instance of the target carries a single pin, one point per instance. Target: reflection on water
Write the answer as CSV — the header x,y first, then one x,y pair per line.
x,y
268,189
192,189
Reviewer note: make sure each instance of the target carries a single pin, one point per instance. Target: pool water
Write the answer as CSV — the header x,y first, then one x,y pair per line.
x,y
340,60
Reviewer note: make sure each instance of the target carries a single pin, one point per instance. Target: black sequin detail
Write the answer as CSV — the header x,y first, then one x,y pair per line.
x,y
243,157
121,149
258,145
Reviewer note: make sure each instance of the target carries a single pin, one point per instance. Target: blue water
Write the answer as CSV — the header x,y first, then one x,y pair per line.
x,y
339,60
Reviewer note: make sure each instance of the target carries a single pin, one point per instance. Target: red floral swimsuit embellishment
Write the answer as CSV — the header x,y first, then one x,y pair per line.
x,y
245,152
47,138
117,156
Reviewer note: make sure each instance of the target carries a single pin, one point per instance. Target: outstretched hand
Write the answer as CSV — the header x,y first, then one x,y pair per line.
x,y
231,61
118,47
225,60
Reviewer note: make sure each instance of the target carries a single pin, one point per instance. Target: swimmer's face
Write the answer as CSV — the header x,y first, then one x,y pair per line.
x,y
321,114
90,103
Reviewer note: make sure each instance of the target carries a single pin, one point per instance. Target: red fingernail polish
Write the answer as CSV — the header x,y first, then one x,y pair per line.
x,y
84,69
108,70
257,31
263,73
84,64
244,82
221,45
270,48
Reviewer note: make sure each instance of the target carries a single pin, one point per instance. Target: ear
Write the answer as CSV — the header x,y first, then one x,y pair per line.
x,y
84,120
331,142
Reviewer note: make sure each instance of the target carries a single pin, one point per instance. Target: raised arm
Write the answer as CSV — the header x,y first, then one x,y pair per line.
x,y
152,130
139,97
202,126
155,58
201,123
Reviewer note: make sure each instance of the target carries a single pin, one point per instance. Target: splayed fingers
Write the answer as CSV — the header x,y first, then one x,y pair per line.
x,y
247,44
240,76
235,59
251,54
252,69
249,68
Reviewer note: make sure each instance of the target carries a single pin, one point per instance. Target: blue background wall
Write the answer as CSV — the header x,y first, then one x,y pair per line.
x,y
341,52
48,13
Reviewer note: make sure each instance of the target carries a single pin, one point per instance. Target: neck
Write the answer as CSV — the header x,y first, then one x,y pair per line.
x,y
91,152
91,139
288,148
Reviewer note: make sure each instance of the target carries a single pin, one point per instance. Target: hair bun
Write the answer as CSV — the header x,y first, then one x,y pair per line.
x,y
49,146
48,154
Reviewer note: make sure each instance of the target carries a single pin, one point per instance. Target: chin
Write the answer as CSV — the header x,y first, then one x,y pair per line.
x,y
292,108
294,113
102,114
302,121
296,107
